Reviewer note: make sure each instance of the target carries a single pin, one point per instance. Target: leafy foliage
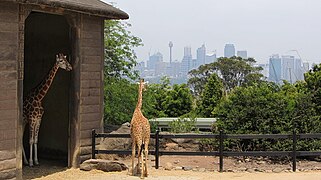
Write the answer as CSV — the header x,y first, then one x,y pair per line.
x,y
211,96
178,101
120,98
182,125
233,72
120,58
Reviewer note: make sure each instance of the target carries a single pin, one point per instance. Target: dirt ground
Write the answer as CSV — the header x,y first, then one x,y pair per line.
x,y
199,168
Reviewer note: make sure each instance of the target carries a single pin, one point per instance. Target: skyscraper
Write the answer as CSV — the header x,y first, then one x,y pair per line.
x,y
170,45
153,60
187,61
229,50
242,54
201,55
275,68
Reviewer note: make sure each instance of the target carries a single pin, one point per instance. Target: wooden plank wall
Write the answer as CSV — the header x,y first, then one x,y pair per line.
x,y
8,88
91,81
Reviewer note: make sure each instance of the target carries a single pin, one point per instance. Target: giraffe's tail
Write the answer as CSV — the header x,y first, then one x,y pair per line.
x,y
141,149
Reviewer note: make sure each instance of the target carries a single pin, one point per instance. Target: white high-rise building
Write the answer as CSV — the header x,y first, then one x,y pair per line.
x,y
242,54
229,50
201,56
186,65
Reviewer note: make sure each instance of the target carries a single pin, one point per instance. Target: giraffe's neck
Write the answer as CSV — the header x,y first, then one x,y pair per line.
x,y
140,97
43,88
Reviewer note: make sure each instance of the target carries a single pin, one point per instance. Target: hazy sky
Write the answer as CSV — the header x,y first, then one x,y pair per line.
x,y
262,27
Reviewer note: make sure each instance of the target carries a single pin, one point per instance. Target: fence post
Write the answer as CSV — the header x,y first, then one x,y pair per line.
x,y
157,149
221,150
93,144
294,138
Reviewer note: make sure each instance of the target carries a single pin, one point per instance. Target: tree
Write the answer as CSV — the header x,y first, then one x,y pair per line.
x,y
178,101
120,58
198,78
120,96
313,83
155,97
233,72
211,96
253,109
120,99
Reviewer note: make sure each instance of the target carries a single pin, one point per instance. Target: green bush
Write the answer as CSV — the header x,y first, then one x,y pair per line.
x,y
182,125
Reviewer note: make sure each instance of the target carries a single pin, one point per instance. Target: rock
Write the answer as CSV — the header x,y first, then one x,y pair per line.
x,y
178,168
201,169
115,143
242,169
168,166
258,170
187,168
250,170
260,162
171,146
104,165
277,170
176,161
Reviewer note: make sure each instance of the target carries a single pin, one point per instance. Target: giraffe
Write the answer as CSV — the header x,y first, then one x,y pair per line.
x,y
140,134
33,110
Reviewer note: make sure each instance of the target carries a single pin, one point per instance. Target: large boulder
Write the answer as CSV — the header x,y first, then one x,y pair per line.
x,y
103,165
115,143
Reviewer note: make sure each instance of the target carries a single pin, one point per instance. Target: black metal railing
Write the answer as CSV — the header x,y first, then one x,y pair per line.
x,y
221,153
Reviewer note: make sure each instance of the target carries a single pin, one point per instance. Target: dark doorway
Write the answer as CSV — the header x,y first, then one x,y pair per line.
x,y
45,36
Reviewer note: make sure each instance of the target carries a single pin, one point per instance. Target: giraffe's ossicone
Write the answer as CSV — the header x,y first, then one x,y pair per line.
x,y
33,109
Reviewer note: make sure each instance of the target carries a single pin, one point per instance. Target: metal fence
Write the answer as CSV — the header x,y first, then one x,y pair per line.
x,y
221,153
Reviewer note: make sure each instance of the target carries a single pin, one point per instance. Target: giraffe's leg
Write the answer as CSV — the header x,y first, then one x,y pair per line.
x,y
133,156
24,156
31,142
146,158
23,149
36,145
36,136
141,156
139,147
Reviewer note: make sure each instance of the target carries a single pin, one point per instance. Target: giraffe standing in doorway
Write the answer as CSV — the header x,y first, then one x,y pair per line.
x,y
140,134
33,110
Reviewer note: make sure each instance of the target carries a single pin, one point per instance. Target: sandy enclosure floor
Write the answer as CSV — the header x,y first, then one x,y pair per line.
x,y
76,174
54,171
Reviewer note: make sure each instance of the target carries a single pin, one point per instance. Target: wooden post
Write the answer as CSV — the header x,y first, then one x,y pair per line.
x,y
157,149
294,138
221,150
93,144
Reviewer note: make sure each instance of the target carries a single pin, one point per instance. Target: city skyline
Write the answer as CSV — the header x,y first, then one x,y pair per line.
x,y
260,27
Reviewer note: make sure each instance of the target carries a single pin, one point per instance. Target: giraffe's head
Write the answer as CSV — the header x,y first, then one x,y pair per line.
x,y
143,84
62,62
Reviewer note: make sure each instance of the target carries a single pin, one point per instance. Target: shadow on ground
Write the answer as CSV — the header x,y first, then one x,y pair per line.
x,y
45,168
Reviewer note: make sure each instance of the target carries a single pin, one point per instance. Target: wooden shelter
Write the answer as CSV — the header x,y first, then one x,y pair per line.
x,y
32,32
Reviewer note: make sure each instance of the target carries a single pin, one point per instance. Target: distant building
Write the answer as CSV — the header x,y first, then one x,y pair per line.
x,y
174,69
275,68
186,65
201,56
140,67
210,58
265,69
160,69
242,54
291,69
306,67
154,60
229,50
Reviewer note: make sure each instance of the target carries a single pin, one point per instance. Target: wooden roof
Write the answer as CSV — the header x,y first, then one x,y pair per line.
x,y
92,7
